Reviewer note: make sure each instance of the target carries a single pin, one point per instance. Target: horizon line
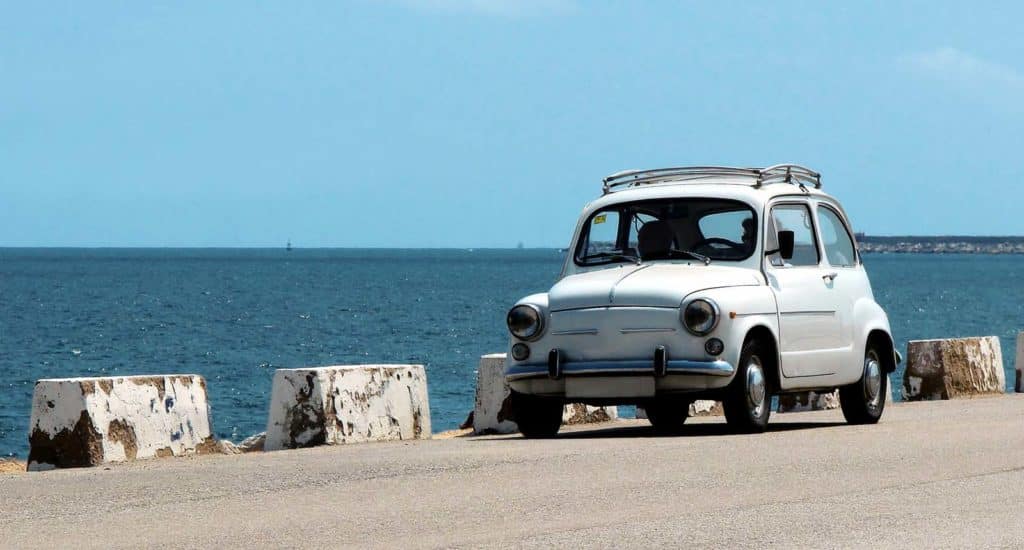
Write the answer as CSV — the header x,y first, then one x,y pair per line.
x,y
859,236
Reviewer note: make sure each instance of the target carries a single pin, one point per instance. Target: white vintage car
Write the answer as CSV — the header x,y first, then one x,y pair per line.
x,y
732,284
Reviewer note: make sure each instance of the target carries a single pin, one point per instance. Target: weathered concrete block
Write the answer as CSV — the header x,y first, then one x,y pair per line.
x,y
953,368
703,407
492,412
808,401
578,413
253,443
90,421
347,404
814,401
1019,364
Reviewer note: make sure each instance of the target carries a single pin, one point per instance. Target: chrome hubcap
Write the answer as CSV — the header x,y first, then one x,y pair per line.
x,y
872,380
755,386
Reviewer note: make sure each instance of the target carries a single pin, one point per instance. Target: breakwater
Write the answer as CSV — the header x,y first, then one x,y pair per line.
x,y
940,245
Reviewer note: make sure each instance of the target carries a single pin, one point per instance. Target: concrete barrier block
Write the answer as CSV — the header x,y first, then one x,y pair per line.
x,y
808,401
492,412
1019,364
812,400
347,404
90,421
953,368
578,413
703,407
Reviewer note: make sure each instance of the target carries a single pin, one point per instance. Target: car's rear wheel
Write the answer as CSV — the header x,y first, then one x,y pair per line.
x,y
667,415
537,417
864,400
747,402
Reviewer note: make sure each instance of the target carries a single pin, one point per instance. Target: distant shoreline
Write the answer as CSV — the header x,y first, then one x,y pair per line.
x,y
898,244
950,244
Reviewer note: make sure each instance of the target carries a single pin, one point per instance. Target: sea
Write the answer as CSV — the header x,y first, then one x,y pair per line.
x,y
235,315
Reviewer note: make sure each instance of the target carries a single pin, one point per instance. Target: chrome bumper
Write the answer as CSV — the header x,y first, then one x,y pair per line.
x,y
619,368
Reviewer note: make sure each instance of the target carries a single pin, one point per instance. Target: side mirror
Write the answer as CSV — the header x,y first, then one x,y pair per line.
x,y
786,239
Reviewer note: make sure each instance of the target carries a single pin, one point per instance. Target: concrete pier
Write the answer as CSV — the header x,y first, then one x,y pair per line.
x,y
91,421
347,404
939,474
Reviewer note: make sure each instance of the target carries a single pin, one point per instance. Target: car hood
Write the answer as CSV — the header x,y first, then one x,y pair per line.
x,y
646,285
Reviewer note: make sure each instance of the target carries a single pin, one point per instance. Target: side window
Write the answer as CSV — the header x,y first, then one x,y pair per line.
x,y
838,245
797,218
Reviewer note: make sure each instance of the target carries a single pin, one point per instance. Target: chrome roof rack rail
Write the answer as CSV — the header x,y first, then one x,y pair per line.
x,y
779,173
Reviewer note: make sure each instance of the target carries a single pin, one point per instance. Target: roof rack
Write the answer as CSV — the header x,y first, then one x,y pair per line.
x,y
780,173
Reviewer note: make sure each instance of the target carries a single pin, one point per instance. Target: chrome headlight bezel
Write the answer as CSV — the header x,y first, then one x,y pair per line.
x,y
537,325
711,308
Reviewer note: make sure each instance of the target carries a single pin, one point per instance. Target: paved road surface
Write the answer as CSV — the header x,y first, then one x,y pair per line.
x,y
944,474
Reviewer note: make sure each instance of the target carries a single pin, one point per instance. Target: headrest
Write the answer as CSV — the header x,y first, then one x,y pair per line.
x,y
655,239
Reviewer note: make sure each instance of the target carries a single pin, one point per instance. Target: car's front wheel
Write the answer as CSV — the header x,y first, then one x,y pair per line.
x,y
537,417
747,401
864,400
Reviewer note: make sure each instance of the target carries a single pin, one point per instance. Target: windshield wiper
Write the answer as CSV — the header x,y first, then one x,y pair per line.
x,y
612,257
692,254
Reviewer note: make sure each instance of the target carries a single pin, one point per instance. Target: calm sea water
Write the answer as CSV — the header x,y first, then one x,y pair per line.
x,y
234,316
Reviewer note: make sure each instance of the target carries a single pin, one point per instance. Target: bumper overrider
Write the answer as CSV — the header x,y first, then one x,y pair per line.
x,y
660,366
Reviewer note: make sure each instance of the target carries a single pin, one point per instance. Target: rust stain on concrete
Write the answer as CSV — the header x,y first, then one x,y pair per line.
x,y
77,447
122,432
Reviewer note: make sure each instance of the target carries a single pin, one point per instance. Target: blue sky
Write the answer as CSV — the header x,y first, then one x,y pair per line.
x,y
473,123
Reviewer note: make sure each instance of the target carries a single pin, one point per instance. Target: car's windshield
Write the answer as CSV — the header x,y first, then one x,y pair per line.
x,y
692,228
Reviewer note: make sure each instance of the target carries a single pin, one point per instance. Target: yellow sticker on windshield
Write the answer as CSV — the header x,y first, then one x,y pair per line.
x,y
599,219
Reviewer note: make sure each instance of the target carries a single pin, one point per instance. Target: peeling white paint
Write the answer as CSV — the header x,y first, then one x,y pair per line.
x,y
117,419
347,404
912,386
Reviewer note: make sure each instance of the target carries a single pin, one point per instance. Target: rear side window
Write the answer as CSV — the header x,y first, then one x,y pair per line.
x,y
839,247
797,218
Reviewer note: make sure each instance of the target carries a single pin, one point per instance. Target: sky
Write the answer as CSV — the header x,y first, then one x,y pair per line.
x,y
485,123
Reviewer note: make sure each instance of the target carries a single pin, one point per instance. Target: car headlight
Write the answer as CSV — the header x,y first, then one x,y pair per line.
x,y
700,316
525,321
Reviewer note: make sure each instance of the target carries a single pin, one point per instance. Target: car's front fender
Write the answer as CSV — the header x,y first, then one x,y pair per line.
x,y
742,309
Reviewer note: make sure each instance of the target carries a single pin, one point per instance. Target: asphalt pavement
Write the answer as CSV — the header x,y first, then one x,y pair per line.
x,y
930,475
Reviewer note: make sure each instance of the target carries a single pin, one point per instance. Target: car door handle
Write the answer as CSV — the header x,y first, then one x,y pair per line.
x,y
829,277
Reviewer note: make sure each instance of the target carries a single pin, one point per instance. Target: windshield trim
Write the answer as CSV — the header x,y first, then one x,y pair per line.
x,y
584,231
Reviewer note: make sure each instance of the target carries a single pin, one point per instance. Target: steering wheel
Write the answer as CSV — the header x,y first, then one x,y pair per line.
x,y
739,247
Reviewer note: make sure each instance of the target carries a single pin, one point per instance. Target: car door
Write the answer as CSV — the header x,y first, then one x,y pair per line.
x,y
809,325
845,275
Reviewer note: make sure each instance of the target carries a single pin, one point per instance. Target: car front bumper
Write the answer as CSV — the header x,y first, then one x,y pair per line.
x,y
628,380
